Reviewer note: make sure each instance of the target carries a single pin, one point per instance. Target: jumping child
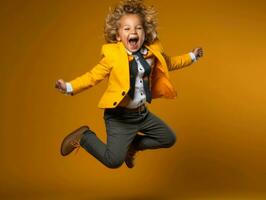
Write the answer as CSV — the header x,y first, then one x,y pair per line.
x,y
137,70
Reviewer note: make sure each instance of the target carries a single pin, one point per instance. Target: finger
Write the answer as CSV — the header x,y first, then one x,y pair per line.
x,y
201,52
59,90
58,86
63,91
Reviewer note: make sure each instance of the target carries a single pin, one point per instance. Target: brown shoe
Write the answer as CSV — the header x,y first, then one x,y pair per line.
x,y
71,141
130,158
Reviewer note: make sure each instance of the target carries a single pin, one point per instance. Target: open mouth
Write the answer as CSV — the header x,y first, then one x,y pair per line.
x,y
133,41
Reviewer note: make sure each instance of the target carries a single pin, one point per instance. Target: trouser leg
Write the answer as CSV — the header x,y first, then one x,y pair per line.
x,y
120,134
157,134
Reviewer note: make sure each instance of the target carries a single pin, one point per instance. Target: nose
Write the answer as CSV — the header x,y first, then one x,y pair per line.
x,y
133,31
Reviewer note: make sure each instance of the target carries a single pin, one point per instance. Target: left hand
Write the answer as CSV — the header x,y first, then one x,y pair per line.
x,y
198,52
60,85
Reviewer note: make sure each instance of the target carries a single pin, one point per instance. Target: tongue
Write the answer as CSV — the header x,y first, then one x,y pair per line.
x,y
133,44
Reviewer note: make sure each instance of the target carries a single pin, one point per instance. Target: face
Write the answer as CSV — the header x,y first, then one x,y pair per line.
x,y
131,32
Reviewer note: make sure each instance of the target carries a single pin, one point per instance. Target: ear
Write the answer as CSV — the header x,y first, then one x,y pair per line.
x,y
118,38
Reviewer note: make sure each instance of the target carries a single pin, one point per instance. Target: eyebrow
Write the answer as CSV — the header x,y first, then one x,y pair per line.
x,y
130,26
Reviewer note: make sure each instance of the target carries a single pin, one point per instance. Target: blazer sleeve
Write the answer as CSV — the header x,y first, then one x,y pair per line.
x,y
177,62
91,78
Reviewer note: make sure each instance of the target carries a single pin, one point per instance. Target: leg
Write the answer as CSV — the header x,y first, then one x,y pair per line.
x,y
120,133
156,134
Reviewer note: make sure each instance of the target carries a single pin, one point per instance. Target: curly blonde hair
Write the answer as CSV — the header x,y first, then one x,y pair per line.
x,y
147,14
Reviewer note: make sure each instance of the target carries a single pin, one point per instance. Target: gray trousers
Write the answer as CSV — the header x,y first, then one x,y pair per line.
x,y
122,128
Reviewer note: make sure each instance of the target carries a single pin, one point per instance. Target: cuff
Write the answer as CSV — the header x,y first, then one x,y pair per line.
x,y
193,57
69,88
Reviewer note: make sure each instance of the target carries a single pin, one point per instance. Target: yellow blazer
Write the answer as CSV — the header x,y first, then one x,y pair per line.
x,y
114,65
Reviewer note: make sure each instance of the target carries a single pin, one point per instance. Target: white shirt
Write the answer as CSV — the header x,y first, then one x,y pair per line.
x,y
139,95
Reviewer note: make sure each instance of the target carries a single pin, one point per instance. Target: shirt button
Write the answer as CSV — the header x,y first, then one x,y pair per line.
x,y
141,93
140,81
114,103
123,93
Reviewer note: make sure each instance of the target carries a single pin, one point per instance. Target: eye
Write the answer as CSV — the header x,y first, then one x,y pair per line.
x,y
126,29
139,28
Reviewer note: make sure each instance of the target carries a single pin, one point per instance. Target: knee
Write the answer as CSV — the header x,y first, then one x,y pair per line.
x,y
113,161
171,140
114,164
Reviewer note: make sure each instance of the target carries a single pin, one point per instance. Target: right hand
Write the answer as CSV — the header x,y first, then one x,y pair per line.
x,y
60,85
198,52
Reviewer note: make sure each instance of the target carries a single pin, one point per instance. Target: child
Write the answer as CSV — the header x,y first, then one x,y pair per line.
x,y
137,71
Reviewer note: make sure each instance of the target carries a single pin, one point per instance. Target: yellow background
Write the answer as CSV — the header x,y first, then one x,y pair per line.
x,y
219,115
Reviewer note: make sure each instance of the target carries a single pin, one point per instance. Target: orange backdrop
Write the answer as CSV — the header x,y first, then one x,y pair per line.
x,y
219,115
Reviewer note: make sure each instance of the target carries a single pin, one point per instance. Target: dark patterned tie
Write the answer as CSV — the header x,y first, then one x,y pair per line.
x,y
146,77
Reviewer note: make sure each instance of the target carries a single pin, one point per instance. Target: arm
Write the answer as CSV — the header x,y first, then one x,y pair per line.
x,y
178,62
87,80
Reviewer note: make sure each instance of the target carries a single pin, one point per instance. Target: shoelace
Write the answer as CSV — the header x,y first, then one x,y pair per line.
x,y
76,145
